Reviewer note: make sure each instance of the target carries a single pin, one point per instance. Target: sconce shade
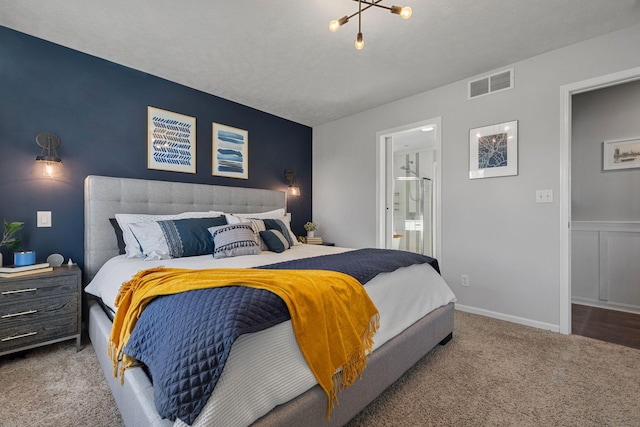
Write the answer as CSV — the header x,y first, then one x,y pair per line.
x,y
48,164
290,176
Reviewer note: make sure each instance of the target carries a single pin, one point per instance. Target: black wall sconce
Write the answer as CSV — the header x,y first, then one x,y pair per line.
x,y
290,176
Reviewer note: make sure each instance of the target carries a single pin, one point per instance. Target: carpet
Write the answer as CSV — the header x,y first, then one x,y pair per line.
x,y
492,373
496,373
55,386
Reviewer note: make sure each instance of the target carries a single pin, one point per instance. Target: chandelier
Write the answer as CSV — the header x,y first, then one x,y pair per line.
x,y
404,12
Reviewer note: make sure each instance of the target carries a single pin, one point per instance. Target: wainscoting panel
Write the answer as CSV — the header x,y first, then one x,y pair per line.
x,y
605,264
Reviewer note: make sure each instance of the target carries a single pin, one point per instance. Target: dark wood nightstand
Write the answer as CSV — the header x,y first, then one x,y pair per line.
x,y
40,309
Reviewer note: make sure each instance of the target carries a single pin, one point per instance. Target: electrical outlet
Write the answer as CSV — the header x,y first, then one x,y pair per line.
x,y
544,196
465,280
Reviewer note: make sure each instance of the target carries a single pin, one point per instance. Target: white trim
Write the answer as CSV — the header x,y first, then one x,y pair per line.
x,y
381,156
608,226
508,318
566,92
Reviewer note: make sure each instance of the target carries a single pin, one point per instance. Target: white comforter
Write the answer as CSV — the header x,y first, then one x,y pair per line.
x,y
252,381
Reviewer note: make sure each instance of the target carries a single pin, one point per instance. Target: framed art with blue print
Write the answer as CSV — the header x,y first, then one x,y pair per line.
x,y
493,150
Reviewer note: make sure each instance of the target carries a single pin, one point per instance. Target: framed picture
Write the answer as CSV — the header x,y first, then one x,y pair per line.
x,y
230,152
171,141
493,150
621,154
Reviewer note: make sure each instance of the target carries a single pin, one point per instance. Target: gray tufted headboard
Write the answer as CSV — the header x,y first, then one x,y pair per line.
x,y
104,197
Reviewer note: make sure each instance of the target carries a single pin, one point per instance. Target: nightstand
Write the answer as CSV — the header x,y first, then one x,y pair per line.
x,y
40,309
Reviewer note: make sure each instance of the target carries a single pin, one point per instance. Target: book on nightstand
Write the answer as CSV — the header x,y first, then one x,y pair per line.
x,y
13,271
316,240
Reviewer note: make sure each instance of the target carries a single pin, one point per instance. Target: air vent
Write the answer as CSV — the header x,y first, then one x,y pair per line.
x,y
497,82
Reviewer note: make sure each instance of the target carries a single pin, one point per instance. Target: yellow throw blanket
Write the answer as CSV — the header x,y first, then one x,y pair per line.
x,y
333,318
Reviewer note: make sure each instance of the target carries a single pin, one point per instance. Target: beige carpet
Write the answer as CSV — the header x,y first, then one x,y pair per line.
x,y
492,373
55,386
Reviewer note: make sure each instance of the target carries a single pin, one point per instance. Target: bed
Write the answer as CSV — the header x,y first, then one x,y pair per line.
x,y
237,400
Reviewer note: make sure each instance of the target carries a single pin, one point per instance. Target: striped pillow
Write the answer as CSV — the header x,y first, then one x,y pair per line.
x,y
234,240
275,240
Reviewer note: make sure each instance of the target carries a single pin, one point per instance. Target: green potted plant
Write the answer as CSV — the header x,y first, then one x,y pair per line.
x,y
311,228
12,243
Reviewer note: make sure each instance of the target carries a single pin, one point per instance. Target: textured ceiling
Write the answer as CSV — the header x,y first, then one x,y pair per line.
x,y
278,56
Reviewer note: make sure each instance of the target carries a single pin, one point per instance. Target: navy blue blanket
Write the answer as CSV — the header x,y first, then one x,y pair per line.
x,y
363,264
184,339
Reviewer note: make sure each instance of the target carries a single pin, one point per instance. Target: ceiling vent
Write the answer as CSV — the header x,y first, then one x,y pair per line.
x,y
497,82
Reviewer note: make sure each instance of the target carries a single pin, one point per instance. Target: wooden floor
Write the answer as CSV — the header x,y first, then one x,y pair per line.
x,y
606,325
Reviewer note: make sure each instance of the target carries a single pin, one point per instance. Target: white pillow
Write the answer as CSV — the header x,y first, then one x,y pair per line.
x,y
274,214
132,247
155,245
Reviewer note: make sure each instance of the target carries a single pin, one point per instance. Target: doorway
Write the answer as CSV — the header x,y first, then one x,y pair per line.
x,y
409,199
566,94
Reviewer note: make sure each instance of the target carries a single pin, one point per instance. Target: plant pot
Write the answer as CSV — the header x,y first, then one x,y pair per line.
x,y
311,233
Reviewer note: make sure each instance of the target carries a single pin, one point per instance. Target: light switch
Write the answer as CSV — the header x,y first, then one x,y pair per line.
x,y
44,218
544,196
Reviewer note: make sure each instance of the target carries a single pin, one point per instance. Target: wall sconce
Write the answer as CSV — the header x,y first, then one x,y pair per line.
x,y
290,176
48,164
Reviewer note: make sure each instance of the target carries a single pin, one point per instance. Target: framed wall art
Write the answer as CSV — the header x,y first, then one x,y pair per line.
x,y
171,141
493,150
230,152
621,154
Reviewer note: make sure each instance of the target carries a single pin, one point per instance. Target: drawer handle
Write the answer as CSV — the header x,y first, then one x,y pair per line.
x,y
18,336
7,316
19,291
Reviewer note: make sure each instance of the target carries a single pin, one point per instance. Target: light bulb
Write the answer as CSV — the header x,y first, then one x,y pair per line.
x,y
406,12
337,23
359,42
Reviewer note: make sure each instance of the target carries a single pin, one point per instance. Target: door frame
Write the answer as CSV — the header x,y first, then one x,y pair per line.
x,y
566,93
384,177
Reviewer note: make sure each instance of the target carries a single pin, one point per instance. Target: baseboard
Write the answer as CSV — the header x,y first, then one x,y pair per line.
x,y
627,308
508,318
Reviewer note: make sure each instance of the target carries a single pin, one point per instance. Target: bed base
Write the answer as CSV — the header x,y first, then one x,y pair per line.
x,y
388,363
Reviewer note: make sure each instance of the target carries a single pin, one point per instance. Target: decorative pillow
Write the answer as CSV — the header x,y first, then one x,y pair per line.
x,y
276,224
276,214
119,238
256,224
275,240
132,247
176,238
234,240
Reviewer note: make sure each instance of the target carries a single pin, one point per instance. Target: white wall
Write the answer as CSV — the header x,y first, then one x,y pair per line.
x,y
492,229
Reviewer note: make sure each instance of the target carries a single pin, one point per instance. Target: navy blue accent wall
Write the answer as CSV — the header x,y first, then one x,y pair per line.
x,y
99,110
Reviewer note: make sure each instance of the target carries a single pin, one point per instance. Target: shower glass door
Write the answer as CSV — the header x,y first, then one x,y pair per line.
x,y
413,215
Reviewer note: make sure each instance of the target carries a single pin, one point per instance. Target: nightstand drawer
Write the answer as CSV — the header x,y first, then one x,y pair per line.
x,y
30,289
40,309
26,334
37,309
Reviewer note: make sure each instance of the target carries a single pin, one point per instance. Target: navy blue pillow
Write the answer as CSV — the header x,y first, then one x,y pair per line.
x,y
275,240
119,237
190,236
